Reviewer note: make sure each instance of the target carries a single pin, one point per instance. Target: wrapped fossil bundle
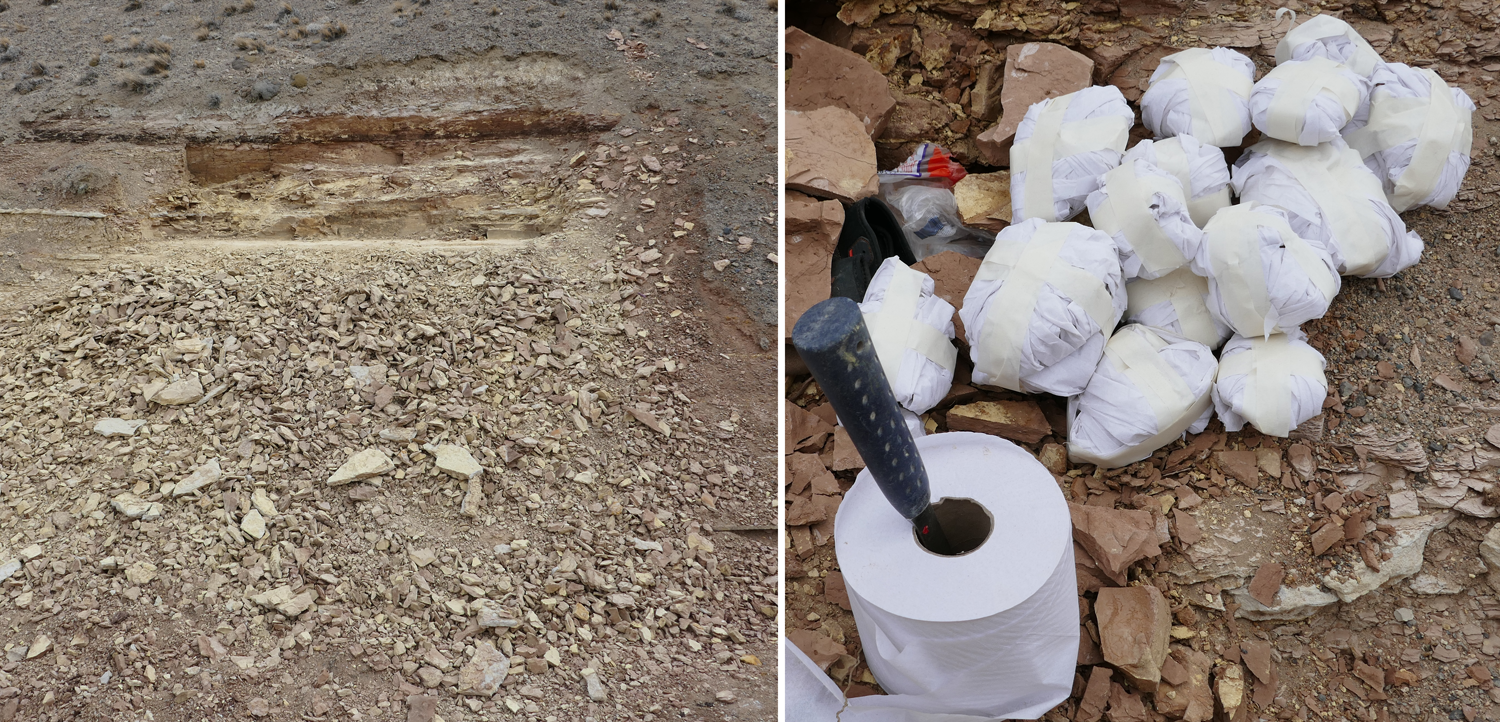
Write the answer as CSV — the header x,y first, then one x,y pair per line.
x,y
1262,277
1332,199
1418,136
1144,210
1177,304
1202,92
1062,147
1148,390
1041,307
1308,102
913,334
1327,37
1273,383
1200,168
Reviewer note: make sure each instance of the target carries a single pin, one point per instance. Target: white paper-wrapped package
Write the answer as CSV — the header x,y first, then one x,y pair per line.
x,y
1273,384
1144,210
1062,147
1308,102
1148,390
913,333
1041,306
1199,166
1332,199
1176,303
1325,36
1418,137
988,635
1202,92
1262,277
810,695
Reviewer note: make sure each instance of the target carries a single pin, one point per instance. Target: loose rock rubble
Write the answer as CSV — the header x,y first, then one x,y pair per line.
x,y
301,489
1338,574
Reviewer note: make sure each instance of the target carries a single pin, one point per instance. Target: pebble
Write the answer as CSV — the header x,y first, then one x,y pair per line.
x,y
1456,294
254,525
363,465
1404,615
181,392
118,427
595,687
485,672
206,475
456,461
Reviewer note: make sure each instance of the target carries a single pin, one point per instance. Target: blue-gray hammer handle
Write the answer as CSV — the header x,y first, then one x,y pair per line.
x,y
833,341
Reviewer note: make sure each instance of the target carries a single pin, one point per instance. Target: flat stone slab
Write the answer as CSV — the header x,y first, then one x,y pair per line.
x,y
363,465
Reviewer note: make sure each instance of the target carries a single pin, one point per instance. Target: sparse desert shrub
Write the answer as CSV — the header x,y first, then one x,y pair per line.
x,y
334,31
202,34
4,6
132,5
651,18
156,65
36,70
135,82
248,44
199,64
45,3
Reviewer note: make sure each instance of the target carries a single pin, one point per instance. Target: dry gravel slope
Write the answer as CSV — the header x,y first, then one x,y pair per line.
x,y
594,533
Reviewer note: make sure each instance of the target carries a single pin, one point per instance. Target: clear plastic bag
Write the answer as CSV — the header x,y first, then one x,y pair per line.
x,y
929,216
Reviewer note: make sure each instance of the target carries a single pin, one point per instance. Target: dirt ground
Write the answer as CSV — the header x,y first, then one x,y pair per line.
x,y
1413,393
536,231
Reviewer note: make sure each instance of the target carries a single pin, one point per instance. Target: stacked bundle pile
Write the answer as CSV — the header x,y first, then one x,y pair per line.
x,y
1349,143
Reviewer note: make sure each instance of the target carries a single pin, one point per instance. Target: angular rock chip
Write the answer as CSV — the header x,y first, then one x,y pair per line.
x,y
822,75
1267,583
829,155
254,525
456,461
812,234
1033,72
133,507
595,687
181,392
1095,695
1187,695
203,476
984,200
118,427
1021,421
1135,625
952,273
363,465
1114,538
485,671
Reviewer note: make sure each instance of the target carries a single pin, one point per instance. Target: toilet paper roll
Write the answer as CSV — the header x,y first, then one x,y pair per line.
x,y
990,634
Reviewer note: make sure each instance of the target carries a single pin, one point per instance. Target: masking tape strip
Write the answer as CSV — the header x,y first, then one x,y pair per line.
x,y
1216,118
1022,269
1300,84
1362,61
1129,455
1268,367
1127,210
1137,356
1185,293
1171,158
1236,260
1036,156
1337,189
890,326
1441,124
